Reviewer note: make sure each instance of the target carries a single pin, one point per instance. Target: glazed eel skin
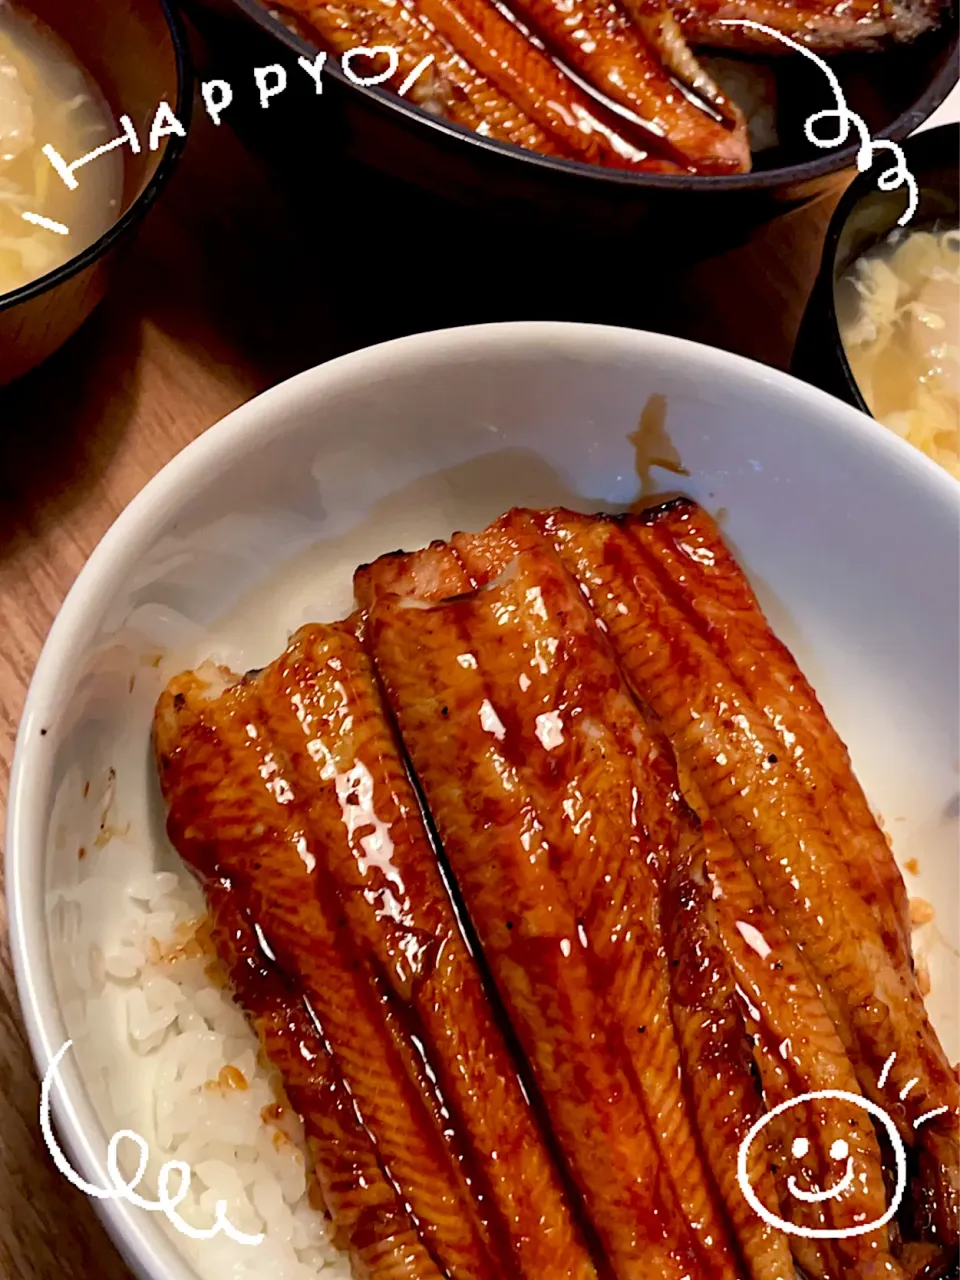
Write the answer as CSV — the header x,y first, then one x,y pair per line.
x,y
686,546
688,911
589,79
520,567
485,75
832,901
613,82
855,998
287,785
369,1217
829,26
538,817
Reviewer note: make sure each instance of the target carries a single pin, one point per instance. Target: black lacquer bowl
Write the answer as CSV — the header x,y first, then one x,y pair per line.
x,y
863,218
894,91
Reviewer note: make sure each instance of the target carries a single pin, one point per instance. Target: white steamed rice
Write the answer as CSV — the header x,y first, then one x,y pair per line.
x,y
215,1101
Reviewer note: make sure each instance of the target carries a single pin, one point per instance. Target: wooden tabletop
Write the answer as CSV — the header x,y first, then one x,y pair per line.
x,y
235,284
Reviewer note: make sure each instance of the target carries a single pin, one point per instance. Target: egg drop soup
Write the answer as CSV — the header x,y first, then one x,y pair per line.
x,y
899,315
47,98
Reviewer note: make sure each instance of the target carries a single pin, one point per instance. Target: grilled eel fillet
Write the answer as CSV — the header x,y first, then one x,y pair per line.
x,y
506,89
837,26
541,933
754,790
591,819
602,42
464,95
796,1051
289,783
717,1055
865,981
596,81
444,569
368,1215
686,546
840,916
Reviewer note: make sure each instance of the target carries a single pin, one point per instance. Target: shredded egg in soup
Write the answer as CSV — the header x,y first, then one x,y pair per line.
x,y
47,98
899,316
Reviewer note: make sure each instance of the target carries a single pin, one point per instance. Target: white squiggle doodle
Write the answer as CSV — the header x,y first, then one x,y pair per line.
x,y
167,1203
887,1068
825,1233
48,224
930,1115
890,179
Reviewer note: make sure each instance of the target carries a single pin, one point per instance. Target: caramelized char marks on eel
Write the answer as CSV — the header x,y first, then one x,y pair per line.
x,y
524,72
757,795
558,636
368,1216
450,84
494,827
606,792
253,795
600,41
612,817
717,1056
325,703
797,1050
687,550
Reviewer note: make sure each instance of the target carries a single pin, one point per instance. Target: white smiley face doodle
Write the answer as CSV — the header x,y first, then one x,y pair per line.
x,y
838,1151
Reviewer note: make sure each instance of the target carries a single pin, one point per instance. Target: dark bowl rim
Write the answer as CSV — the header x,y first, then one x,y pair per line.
x,y
138,209
768,179
929,140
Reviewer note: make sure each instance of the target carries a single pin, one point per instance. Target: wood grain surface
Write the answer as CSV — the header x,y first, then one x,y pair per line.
x,y
237,282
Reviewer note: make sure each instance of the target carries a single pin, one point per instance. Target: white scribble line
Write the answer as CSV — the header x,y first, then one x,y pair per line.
x,y
887,1066
908,1086
890,179
415,74
929,1115
48,224
123,1188
66,171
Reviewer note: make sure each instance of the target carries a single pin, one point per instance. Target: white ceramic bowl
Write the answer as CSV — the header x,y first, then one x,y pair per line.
x,y
850,536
